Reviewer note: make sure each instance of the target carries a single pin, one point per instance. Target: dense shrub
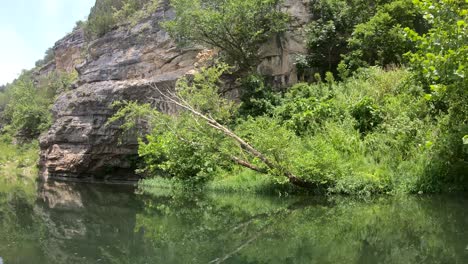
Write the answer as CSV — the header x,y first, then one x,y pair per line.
x,y
257,97
367,115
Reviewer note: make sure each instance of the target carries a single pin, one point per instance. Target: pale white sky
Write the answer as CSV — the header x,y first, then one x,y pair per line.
x,y
29,27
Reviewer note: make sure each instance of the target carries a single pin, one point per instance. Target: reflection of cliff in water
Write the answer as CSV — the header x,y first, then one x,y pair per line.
x,y
87,223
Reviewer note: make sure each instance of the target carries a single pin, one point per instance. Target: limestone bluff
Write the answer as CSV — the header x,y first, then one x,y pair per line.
x,y
123,65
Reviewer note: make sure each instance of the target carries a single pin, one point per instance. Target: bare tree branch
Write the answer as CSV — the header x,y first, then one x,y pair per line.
x,y
248,165
183,104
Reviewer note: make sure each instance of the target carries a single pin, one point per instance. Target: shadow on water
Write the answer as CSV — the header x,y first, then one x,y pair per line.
x,y
88,223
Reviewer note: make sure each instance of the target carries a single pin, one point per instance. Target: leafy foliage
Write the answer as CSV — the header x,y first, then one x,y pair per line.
x,y
27,101
332,26
28,113
236,27
257,97
381,41
179,145
440,65
305,107
367,115
346,35
316,133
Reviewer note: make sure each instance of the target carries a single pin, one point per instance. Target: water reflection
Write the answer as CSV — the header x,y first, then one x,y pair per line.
x,y
88,224
82,223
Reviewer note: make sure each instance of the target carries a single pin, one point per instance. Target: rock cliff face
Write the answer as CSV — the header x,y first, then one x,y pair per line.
x,y
67,53
281,52
124,65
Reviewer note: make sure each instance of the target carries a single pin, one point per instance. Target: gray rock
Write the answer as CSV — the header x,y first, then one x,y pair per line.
x,y
80,143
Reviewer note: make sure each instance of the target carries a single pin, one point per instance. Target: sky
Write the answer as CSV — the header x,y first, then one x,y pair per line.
x,y
29,27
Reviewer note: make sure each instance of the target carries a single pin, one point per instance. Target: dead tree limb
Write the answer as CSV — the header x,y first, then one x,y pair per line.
x,y
183,104
248,165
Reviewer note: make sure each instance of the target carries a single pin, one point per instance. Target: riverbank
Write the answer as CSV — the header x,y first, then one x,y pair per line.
x,y
245,182
241,182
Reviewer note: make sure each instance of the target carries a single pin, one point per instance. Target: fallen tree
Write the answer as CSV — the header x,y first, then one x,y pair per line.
x,y
194,142
174,98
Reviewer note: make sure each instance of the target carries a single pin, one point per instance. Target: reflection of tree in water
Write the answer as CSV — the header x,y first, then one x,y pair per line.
x,y
73,223
198,229
18,223
240,229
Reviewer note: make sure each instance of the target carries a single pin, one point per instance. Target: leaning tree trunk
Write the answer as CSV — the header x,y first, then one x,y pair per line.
x,y
293,179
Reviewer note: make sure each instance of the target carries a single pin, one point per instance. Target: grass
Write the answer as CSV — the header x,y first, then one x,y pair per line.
x,y
18,163
240,181
246,181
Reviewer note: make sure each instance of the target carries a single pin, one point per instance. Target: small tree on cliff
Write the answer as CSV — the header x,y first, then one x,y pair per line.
x,y
236,27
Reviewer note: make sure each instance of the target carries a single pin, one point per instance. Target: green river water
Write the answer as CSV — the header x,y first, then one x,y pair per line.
x,y
88,223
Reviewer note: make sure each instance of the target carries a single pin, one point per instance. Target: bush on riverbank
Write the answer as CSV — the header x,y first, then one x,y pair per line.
x,y
238,181
18,162
376,131
372,133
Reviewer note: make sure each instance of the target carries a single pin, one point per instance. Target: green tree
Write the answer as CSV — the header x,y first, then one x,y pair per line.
x,y
360,33
28,99
381,40
236,27
440,65
27,113
332,25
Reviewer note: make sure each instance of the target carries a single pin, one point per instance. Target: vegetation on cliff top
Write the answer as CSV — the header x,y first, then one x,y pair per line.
x,y
108,14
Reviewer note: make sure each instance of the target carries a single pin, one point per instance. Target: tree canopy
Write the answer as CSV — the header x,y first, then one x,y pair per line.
x,y
236,27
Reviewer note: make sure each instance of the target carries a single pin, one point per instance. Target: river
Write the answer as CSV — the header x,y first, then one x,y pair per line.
x,y
92,223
